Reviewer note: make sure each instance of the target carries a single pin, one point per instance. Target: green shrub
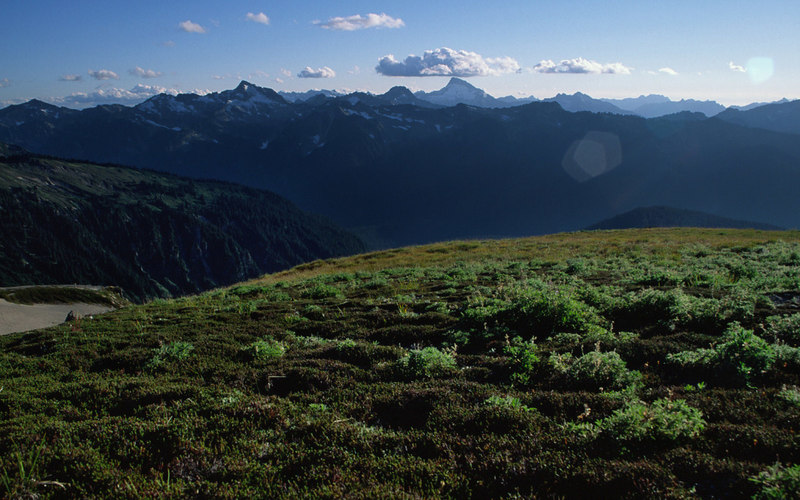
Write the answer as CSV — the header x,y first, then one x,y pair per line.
x,y
523,359
535,310
506,402
650,306
778,482
739,353
790,394
787,356
265,349
595,370
429,362
345,344
664,420
785,328
548,312
174,351
321,291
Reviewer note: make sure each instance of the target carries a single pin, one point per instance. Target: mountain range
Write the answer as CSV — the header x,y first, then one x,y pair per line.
x,y
459,91
400,169
152,234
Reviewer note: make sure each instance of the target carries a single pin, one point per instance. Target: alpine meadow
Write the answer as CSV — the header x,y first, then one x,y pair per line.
x,y
419,250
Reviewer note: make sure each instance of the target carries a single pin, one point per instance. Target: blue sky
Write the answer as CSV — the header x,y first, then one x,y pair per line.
x,y
81,53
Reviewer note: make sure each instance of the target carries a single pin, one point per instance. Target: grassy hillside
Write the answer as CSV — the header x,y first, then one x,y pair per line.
x,y
151,234
649,363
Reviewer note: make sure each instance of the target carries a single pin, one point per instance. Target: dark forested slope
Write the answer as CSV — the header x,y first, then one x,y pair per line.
x,y
151,234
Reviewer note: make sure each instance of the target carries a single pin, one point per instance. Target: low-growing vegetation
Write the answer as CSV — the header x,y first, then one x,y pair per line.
x,y
628,364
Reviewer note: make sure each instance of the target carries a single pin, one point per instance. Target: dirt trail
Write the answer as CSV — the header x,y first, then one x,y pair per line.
x,y
21,318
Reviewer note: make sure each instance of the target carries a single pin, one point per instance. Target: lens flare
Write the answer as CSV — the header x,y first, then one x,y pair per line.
x,y
592,156
760,69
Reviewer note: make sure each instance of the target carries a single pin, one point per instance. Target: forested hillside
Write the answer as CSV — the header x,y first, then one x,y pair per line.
x,y
153,235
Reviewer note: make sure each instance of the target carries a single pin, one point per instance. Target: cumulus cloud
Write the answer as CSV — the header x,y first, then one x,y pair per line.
x,y
285,72
358,22
324,72
103,74
71,78
258,18
581,66
446,62
112,95
668,71
145,73
191,27
4,82
736,67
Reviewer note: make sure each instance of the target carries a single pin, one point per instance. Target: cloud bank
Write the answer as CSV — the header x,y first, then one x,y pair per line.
x,y
112,95
324,72
581,66
103,74
145,73
358,22
191,27
260,18
446,62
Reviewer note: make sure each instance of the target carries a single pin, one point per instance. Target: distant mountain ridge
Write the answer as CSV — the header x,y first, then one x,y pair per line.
x,y
780,116
644,217
152,234
401,170
653,106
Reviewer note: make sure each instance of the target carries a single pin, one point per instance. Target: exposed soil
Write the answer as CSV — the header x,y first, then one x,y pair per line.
x,y
22,318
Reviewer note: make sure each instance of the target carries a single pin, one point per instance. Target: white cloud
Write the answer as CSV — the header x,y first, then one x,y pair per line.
x,y
324,72
668,71
355,71
446,62
4,82
581,66
168,43
191,27
358,22
145,73
285,72
112,95
736,67
258,18
279,80
103,74
71,78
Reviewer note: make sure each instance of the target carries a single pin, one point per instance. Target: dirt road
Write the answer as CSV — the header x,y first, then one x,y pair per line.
x,y
21,318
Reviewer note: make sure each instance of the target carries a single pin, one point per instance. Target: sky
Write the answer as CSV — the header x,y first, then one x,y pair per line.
x,y
86,52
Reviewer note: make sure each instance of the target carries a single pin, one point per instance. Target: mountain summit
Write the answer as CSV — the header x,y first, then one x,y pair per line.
x,y
458,91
